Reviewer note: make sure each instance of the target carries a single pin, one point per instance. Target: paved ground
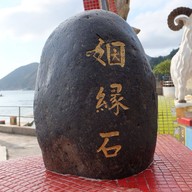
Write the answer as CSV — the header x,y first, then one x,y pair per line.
x,y
18,146
3,153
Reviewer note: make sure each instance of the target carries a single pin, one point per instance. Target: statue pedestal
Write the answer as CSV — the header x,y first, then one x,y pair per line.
x,y
184,109
184,115
185,130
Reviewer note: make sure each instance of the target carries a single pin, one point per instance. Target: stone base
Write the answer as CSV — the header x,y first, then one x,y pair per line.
x,y
171,171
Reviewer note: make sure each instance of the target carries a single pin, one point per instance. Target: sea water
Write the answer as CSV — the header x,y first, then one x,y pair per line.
x,y
18,104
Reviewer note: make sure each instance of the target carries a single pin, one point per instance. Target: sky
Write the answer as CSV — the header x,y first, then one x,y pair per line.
x,y
25,26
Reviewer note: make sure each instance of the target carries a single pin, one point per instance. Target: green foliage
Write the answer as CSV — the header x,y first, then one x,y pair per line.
x,y
167,121
162,68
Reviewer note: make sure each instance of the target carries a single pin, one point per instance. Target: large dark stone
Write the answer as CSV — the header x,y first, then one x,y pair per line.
x,y
95,102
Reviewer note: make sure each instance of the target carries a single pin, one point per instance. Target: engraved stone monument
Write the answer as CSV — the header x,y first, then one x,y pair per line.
x,y
95,101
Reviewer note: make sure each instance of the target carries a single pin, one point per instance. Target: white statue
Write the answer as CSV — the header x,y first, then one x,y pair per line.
x,y
181,63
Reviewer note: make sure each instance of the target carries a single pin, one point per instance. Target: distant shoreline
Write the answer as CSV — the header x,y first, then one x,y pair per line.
x,y
17,90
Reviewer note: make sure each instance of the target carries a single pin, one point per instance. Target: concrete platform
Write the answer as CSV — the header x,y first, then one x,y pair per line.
x,y
14,129
18,146
3,153
170,172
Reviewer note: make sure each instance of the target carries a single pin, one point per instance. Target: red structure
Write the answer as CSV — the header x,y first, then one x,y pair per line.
x,y
91,4
100,4
171,171
185,121
112,6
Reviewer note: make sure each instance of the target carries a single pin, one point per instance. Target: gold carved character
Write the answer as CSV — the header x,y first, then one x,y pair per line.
x,y
97,52
116,98
109,151
115,53
101,102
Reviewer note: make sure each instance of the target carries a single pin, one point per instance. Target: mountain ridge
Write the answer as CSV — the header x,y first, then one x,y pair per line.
x,y
24,77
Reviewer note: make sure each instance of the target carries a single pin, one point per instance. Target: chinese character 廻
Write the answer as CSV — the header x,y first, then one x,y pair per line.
x,y
115,53
97,52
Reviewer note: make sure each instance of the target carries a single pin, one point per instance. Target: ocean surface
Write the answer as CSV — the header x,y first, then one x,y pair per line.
x,y
18,104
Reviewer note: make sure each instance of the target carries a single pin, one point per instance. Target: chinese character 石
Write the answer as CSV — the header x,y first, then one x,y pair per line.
x,y
101,102
109,151
116,98
115,53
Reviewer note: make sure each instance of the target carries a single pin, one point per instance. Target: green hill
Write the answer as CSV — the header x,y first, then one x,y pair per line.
x,y
22,78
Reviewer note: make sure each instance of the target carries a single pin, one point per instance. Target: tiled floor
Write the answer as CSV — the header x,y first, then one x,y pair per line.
x,y
171,171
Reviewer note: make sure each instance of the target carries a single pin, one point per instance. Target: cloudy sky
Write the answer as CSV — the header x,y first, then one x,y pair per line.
x,y
25,25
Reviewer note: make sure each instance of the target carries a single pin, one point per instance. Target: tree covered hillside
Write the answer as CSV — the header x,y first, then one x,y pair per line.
x,y
157,60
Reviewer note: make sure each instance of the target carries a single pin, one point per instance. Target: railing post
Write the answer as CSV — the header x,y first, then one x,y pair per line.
x,y
16,112
19,115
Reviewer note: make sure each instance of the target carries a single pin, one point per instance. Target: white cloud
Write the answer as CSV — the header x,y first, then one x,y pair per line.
x,y
25,26
151,18
37,18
